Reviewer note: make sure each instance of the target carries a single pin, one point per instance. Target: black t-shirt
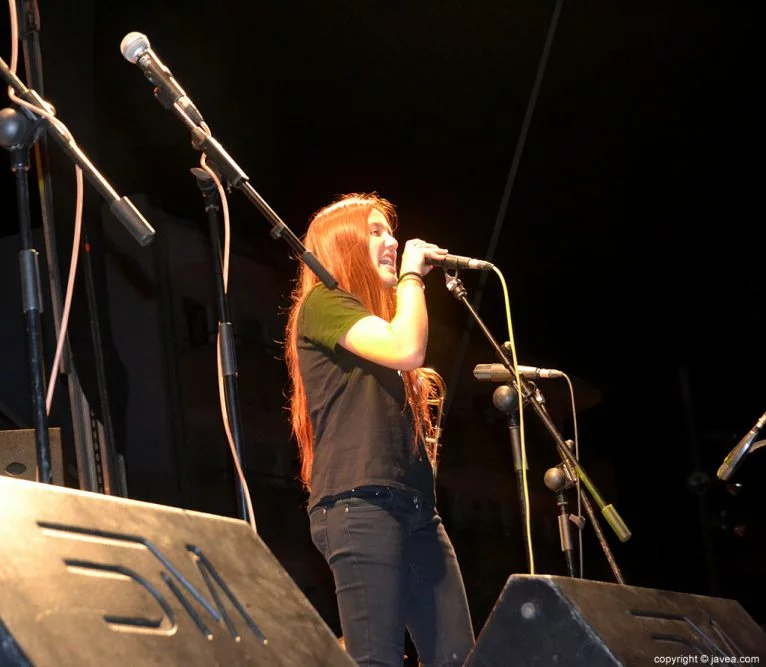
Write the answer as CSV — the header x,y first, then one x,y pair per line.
x,y
362,432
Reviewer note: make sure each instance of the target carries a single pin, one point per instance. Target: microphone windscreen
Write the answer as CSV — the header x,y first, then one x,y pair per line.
x,y
133,45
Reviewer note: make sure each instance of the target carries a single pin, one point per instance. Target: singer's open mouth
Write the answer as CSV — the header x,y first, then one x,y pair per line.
x,y
388,260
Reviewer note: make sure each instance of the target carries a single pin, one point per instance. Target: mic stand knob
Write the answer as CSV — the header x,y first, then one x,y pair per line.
x,y
558,481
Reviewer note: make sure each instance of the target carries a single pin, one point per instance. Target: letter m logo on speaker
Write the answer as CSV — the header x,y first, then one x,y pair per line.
x,y
95,580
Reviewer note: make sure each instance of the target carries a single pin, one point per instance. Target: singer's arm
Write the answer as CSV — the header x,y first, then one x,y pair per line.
x,y
401,343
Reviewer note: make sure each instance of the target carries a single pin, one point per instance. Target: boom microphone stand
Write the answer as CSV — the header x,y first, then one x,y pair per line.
x,y
601,538
20,129
92,476
225,331
135,48
17,134
456,288
235,177
121,207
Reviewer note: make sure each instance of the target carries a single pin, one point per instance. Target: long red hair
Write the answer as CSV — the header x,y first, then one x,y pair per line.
x,y
339,236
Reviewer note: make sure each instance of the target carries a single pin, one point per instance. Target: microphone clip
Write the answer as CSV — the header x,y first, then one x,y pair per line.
x,y
454,285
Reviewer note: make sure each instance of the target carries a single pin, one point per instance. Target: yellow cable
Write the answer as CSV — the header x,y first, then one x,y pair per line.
x,y
525,487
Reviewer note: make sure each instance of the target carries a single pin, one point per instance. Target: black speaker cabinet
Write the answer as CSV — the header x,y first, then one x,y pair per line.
x,y
546,620
93,580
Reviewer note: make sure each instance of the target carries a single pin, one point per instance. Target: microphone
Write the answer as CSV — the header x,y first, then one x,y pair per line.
x,y
458,262
499,373
742,448
135,48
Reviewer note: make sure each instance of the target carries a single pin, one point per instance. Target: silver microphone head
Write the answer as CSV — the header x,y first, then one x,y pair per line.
x,y
133,46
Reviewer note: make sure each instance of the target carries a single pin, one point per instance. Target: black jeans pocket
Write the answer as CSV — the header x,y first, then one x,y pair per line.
x,y
318,522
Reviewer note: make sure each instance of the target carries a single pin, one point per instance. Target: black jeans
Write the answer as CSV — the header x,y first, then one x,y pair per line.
x,y
394,567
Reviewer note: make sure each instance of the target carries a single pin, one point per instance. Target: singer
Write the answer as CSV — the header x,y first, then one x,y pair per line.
x,y
360,414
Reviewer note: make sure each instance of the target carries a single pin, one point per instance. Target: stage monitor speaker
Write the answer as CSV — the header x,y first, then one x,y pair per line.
x,y
93,580
547,620
18,454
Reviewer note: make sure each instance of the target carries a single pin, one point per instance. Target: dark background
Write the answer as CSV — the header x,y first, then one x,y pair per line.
x,y
630,244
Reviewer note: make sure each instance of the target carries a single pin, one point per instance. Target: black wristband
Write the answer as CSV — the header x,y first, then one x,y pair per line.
x,y
414,274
